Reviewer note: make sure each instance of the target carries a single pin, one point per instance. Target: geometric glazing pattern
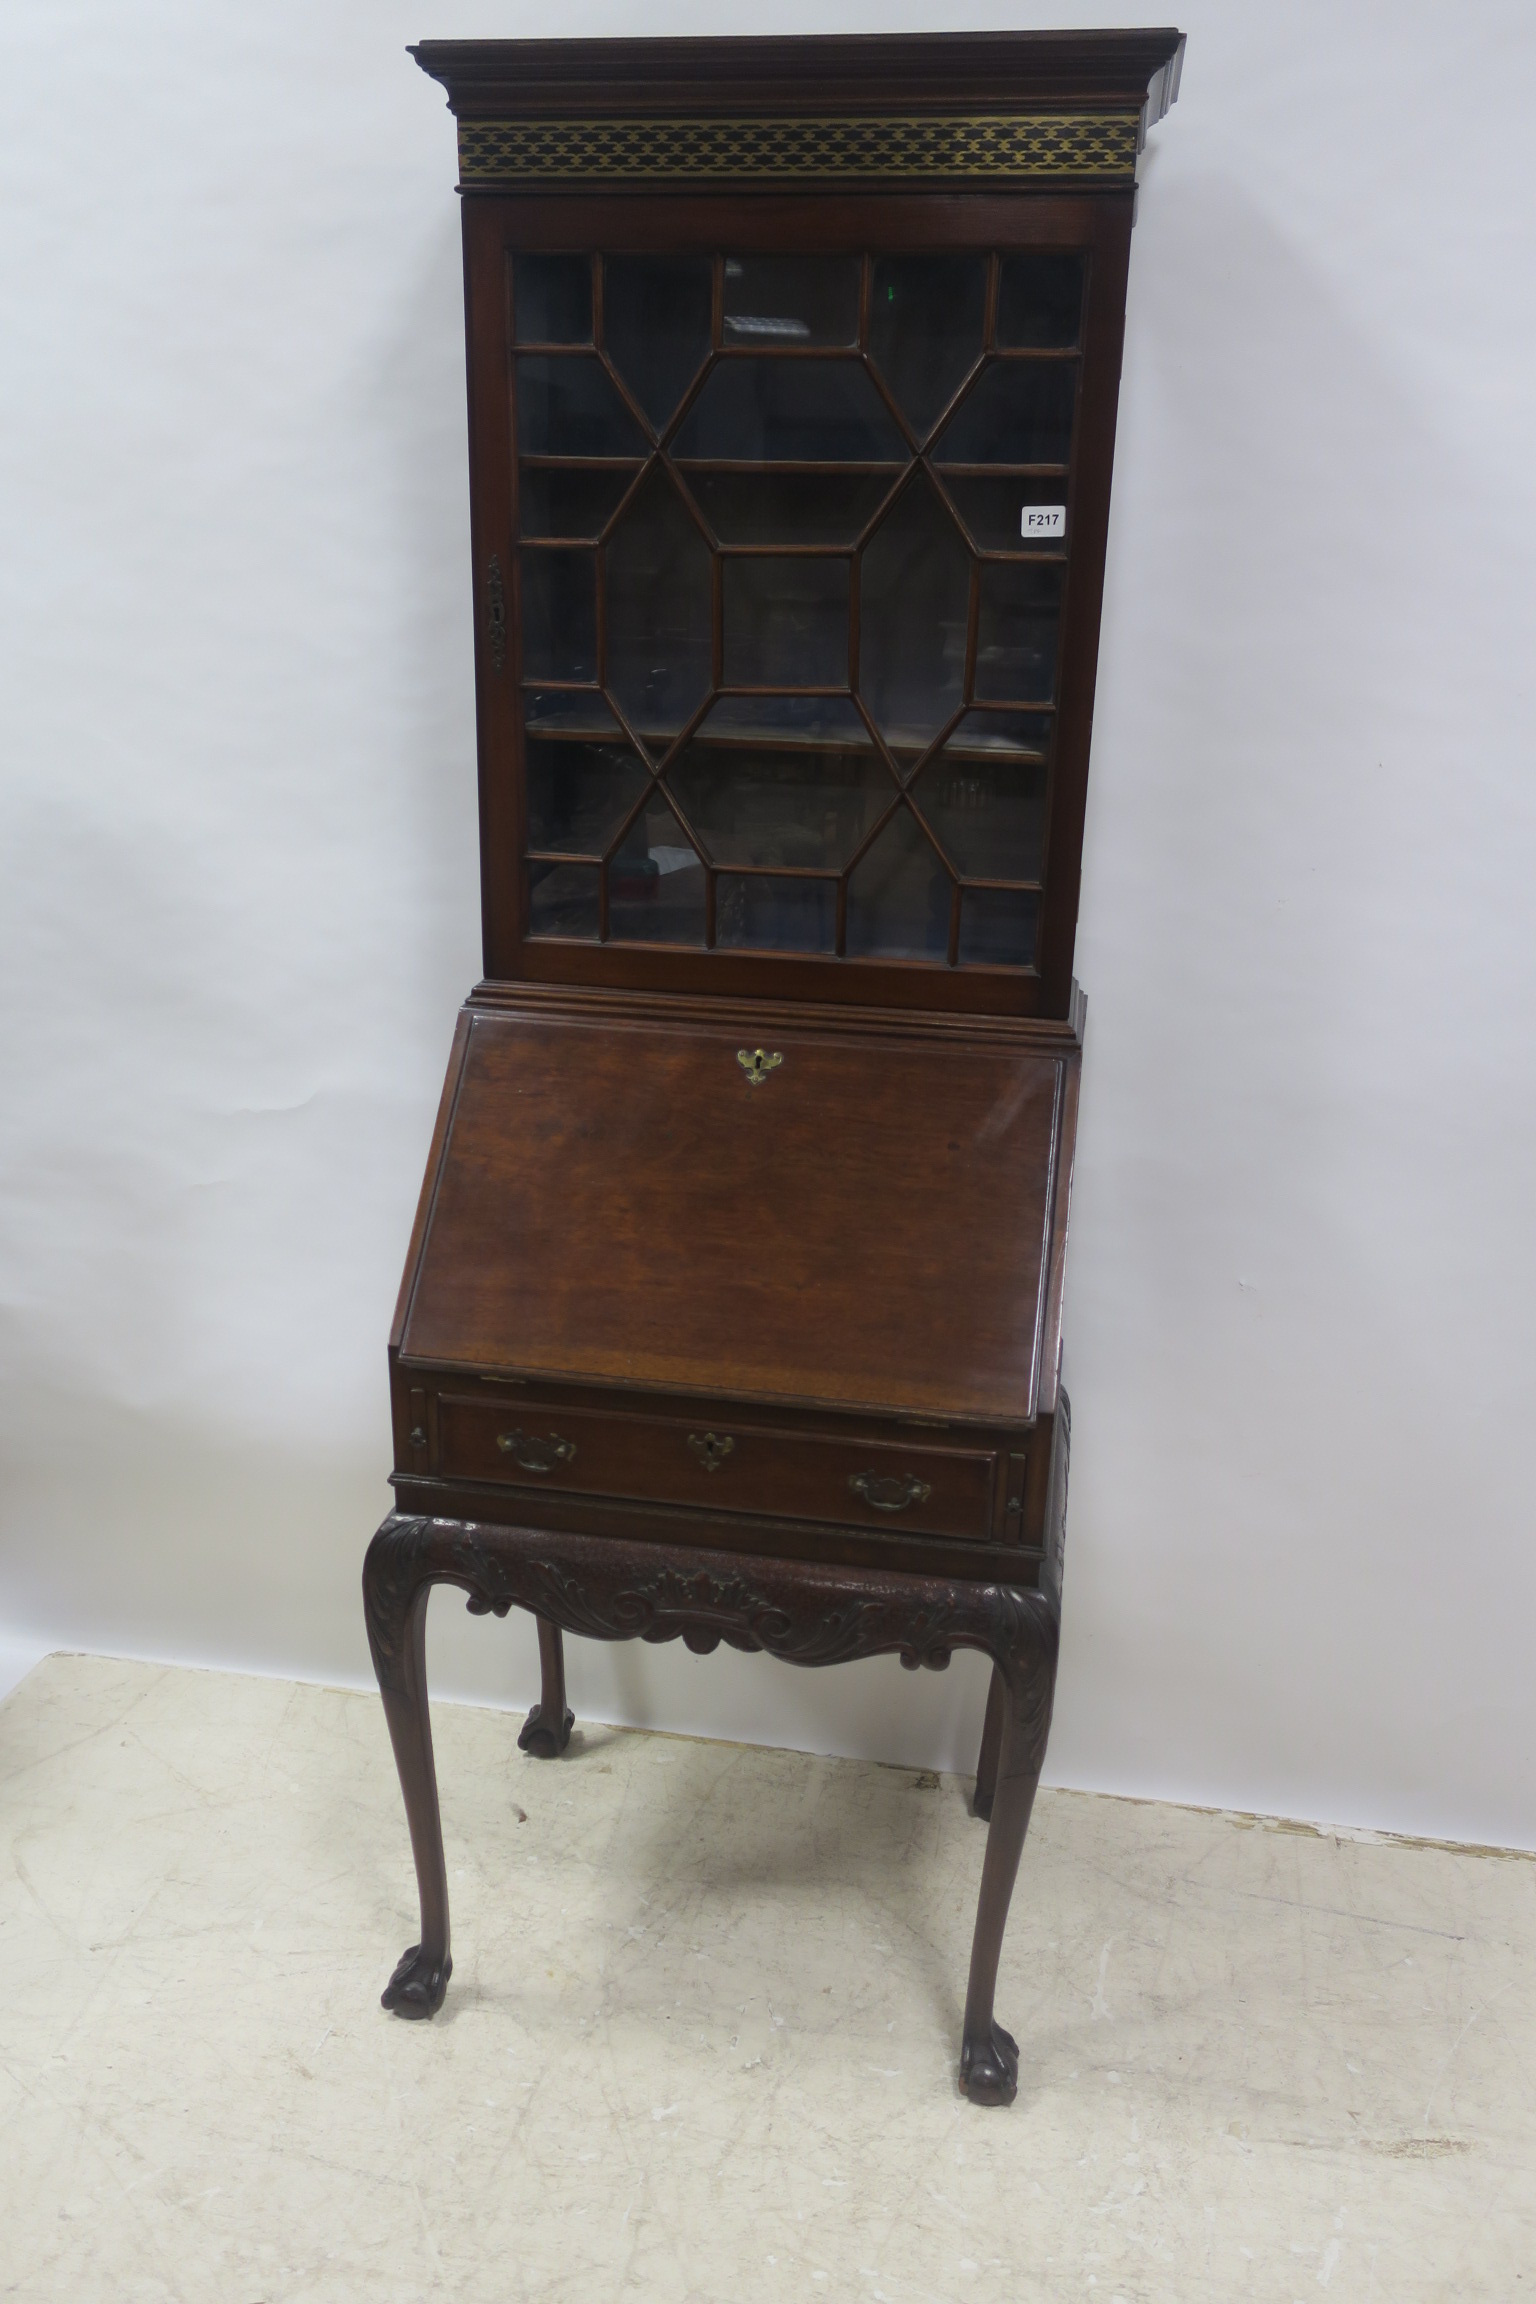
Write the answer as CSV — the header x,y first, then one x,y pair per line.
x,y
792,552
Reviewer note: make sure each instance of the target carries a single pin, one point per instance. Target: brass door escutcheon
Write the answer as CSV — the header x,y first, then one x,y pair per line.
x,y
711,1449
889,1495
757,1064
536,1455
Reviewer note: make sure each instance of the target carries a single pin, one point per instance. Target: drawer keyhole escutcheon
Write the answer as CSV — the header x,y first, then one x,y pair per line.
x,y
711,1448
889,1495
757,1064
535,1455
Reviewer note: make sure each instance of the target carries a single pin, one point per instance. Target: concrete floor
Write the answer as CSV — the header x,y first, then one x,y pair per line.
x,y
700,2040
18,1656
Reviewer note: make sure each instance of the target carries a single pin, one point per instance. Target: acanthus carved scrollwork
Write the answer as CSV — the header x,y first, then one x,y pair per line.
x,y
409,1554
611,1590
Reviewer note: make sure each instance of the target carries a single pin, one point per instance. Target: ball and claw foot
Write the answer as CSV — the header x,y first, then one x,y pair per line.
x,y
538,1737
989,2069
417,1986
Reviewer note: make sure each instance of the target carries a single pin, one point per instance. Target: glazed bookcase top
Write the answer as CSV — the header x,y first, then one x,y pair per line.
x,y
790,502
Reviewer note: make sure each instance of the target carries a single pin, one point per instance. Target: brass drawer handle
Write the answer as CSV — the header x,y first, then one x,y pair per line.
x,y
536,1455
710,1449
889,1495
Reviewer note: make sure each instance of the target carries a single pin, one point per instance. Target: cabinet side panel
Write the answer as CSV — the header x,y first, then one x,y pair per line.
x,y
445,1108
1098,404
1054,1290
493,520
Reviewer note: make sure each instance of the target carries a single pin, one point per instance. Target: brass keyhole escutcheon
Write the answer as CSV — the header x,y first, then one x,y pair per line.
x,y
534,1454
757,1064
711,1448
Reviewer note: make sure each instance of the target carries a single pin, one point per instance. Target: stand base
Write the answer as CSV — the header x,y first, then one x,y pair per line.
x,y
801,1611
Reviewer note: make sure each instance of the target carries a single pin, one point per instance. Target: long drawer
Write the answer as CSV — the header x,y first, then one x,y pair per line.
x,y
728,1467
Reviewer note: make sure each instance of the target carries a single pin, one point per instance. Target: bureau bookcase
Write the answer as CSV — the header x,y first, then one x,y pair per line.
x,y
733,1308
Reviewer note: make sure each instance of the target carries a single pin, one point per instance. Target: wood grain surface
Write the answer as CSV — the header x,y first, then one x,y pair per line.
x,y
868,1227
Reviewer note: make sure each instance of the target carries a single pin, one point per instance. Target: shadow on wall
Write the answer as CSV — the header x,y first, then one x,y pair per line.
x,y
1297,1337
414,395
1299,1319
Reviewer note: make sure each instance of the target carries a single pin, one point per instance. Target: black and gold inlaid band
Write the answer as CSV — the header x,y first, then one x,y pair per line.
x,y
1040,146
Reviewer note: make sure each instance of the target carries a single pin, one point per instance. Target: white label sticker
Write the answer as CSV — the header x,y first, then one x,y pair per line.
x,y
1043,520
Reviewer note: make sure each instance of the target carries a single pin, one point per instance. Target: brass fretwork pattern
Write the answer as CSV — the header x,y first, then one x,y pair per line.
x,y
1052,146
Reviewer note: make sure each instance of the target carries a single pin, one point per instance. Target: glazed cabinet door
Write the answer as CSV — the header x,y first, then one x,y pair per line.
x,y
789,544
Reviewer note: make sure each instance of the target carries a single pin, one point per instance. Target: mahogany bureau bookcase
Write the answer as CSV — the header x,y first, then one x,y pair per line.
x,y
733,1306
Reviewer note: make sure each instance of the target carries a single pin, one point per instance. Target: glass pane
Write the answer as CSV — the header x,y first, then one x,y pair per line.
x,y
559,615
656,326
994,731
786,300
660,648
786,623
552,299
562,900
1016,637
1018,412
568,405
914,601
988,814
774,800
898,897
778,507
775,915
790,412
579,794
556,500
997,927
656,883
557,710
925,330
789,719
1011,515
1039,299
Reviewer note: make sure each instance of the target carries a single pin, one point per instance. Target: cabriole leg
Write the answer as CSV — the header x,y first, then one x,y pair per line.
x,y
396,1607
991,1745
989,2056
547,1730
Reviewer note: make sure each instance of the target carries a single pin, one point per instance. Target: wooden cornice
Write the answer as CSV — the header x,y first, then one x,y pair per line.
x,y
1130,71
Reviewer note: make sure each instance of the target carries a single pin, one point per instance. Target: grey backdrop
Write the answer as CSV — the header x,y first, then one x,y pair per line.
x,y
240,891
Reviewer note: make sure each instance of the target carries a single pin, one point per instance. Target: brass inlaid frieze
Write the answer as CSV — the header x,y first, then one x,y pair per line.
x,y
1052,146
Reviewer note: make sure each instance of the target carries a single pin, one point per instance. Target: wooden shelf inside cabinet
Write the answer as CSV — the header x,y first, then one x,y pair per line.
x,y
733,1307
